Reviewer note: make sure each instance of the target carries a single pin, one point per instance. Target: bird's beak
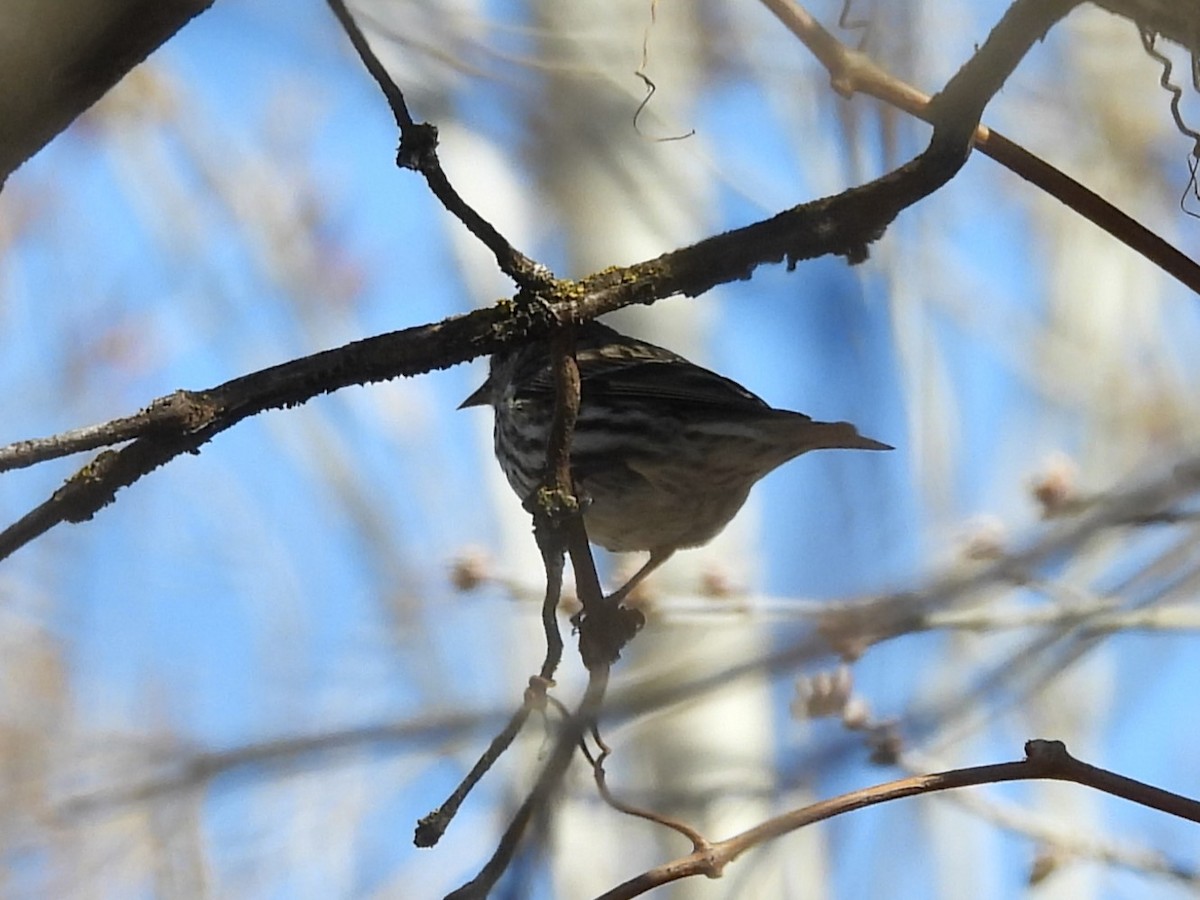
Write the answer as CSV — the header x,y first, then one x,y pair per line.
x,y
481,397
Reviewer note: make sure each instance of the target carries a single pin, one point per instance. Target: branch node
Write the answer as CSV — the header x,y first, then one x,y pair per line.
x,y
1046,754
537,692
418,147
604,631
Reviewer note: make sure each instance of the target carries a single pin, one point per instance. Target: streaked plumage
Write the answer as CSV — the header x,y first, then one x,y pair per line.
x,y
666,451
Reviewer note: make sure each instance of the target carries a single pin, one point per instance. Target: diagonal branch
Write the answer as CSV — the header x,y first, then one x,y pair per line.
x,y
851,71
543,790
418,151
1044,760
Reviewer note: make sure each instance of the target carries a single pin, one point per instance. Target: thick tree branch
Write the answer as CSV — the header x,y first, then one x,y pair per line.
x,y
1176,21
58,58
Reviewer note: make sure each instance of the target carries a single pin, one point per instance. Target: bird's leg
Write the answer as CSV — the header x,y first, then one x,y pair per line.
x,y
657,558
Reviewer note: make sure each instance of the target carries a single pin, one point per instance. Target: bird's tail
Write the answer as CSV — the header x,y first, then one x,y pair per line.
x,y
809,435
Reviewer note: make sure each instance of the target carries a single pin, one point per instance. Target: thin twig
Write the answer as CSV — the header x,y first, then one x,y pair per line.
x,y
604,625
418,151
699,842
1062,840
558,523
548,781
1044,760
432,826
177,412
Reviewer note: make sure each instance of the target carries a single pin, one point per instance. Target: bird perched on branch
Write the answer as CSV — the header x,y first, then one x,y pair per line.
x,y
664,452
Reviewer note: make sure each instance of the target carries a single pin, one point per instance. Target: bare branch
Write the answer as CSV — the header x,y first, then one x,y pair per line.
x,y
179,412
431,827
851,71
543,790
1044,760
418,151
1178,22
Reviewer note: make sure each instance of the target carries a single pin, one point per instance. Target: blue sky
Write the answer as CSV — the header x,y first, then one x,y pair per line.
x,y
242,208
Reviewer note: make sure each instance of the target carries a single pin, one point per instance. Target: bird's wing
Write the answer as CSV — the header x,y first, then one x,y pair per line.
x,y
618,366
681,382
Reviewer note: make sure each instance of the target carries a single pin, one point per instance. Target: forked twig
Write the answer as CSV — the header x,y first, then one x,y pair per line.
x,y
1044,760
548,781
852,71
550,507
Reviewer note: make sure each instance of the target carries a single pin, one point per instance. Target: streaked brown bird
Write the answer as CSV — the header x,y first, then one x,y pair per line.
x,y
664,452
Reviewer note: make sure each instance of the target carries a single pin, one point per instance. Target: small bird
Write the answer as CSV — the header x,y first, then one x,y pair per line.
x,y
664,452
